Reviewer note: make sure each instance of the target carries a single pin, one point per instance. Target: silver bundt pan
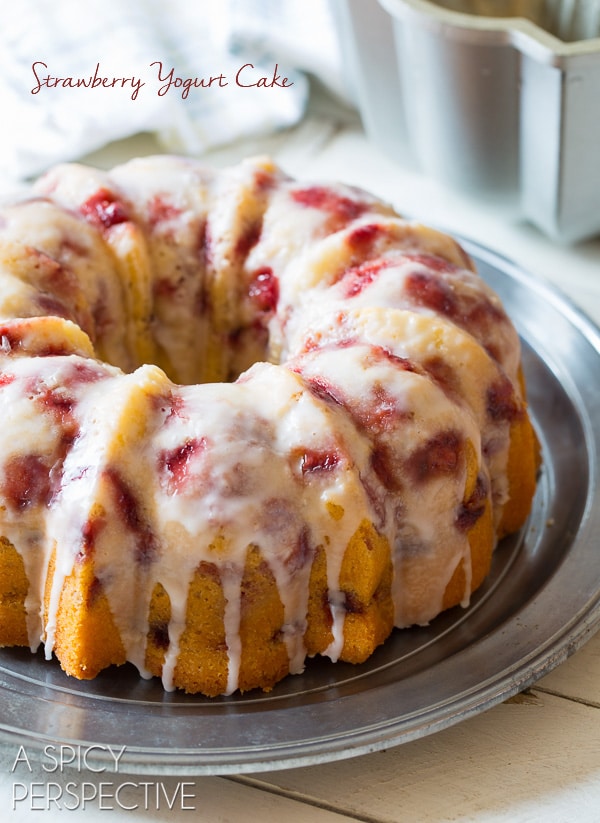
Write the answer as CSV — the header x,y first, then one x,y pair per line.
x,y
497,97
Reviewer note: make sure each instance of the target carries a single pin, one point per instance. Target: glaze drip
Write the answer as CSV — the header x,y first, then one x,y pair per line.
x,y
268,419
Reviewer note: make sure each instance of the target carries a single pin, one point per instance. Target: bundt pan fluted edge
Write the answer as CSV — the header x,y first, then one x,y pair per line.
x,y
504,107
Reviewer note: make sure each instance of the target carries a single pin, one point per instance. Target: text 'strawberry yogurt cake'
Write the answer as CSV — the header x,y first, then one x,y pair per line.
x,y
245,421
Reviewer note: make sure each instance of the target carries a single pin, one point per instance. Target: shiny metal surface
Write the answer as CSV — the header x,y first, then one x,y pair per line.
x,y
541,602
502,107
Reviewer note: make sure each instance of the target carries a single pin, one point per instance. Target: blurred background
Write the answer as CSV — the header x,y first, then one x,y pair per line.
x,y
482,124
497,98
141,53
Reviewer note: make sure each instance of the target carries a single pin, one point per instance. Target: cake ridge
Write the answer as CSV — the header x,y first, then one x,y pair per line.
x,y
248,420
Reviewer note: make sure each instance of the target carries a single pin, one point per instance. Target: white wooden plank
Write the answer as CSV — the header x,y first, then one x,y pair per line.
x,y
92,798
536,758
579,677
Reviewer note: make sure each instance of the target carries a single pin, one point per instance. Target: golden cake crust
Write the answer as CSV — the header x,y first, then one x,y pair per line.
x,y
247,421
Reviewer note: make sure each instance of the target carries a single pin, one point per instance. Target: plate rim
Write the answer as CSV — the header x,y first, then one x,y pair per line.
x,y
479,697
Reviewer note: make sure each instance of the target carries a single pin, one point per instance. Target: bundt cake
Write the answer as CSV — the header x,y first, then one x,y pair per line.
x,y
245,421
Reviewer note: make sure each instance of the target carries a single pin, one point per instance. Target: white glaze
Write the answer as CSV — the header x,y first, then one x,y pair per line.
x,y
241,445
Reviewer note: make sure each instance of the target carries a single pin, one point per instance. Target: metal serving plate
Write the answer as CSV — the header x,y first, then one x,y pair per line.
x,y
540,603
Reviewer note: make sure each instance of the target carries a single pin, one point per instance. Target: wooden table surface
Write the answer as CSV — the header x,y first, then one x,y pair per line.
x,y
535,757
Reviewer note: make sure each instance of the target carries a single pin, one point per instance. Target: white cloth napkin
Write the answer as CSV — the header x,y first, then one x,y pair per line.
x,y
76,75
